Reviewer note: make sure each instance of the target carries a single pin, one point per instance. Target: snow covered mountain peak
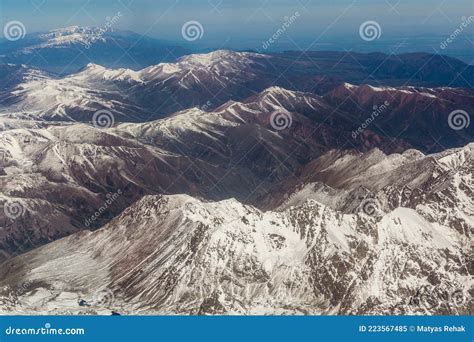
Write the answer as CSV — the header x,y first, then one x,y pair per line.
x,y
191,68
95,72
72,29
219,56
306,257
73,32
183,252
90,69
71,35
93,66
277,90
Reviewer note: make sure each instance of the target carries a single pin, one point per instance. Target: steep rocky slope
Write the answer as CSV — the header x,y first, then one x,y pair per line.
x,y
176,254
237,151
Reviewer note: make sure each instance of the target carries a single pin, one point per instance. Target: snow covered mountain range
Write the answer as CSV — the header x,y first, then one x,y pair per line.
x,y
177,254
209,81
67,50
217,185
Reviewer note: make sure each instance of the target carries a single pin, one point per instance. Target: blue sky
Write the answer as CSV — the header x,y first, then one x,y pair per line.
x,y
246,23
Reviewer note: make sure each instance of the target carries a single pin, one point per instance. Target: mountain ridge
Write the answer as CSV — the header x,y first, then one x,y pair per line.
x,y
249,259
212,184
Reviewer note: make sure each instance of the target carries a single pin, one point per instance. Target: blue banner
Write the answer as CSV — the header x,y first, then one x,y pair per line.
x,y
237,328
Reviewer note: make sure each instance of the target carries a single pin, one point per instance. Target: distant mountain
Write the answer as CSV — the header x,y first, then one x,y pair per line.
x,y
376,69
41,96
207,80
67,50
418,115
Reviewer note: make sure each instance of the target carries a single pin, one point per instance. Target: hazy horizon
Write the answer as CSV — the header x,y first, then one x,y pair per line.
x,y
405,26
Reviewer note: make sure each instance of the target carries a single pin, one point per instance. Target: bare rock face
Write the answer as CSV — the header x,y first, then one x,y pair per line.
x,y
176,254
61,173
356,233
